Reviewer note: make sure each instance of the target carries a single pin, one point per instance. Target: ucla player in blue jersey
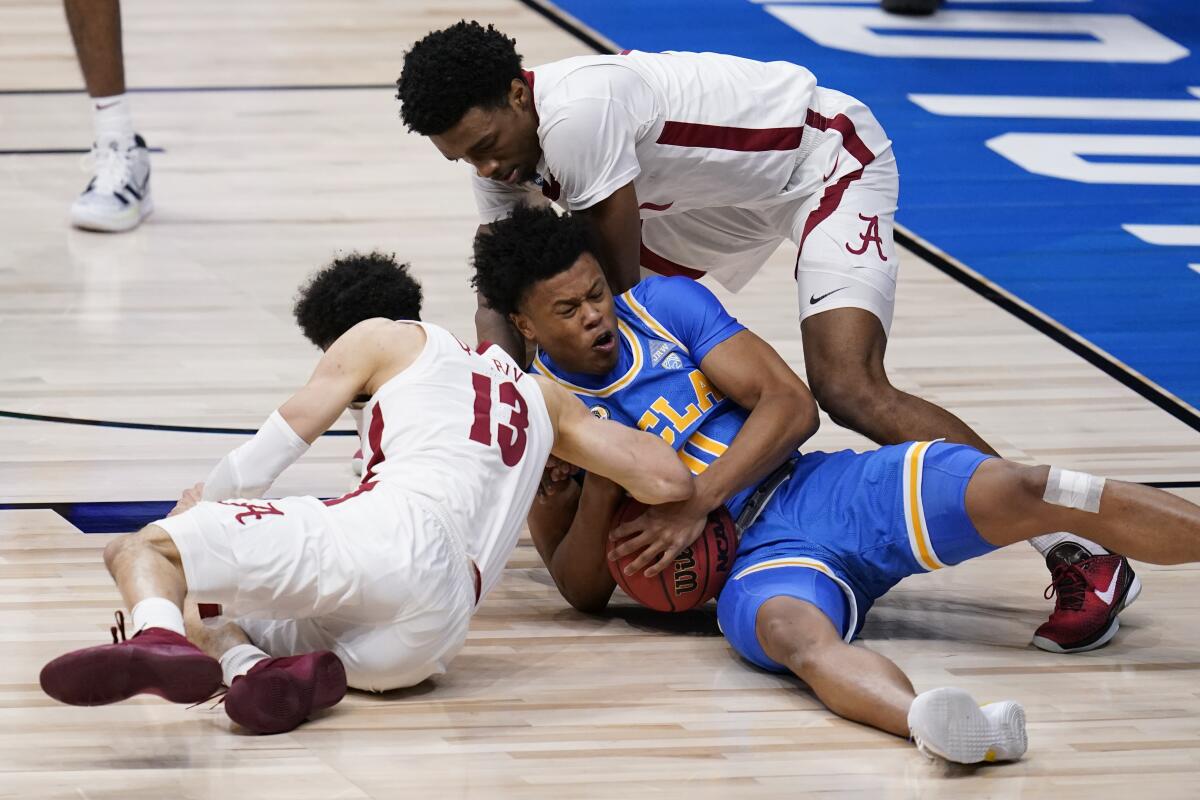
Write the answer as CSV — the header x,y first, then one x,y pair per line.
x,y
824,535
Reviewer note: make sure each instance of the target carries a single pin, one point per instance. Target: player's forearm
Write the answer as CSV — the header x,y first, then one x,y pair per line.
x,y
773,431
490,326
579,564
249,470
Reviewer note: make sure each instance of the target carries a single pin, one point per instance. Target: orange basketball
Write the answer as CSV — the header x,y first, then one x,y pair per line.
x,y
697,574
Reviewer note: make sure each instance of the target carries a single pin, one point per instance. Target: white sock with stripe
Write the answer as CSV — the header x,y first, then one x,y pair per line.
x,y
111,119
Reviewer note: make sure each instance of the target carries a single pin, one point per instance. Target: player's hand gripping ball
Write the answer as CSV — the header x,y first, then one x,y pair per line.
x,y
697,574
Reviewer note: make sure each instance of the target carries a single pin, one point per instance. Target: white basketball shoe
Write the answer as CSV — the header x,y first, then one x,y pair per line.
x,y
117,198
949,723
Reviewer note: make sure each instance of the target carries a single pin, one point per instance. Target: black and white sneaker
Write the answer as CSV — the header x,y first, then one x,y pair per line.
x,y
117,198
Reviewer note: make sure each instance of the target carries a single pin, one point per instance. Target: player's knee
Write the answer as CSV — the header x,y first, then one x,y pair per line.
x,y
793,632
150,539
849,395
1025,486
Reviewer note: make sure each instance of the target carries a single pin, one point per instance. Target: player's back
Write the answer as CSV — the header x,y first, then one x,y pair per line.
x,y
712,129
465,434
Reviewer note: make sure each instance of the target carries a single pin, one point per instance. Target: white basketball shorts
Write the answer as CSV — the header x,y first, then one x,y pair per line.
x,y
374,577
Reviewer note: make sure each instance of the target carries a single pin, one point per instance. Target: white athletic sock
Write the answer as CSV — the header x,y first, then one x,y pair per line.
x,y
237,661
1045,543
157,612
112,120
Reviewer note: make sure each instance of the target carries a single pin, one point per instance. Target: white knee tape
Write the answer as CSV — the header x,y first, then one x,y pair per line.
x,y
1072,489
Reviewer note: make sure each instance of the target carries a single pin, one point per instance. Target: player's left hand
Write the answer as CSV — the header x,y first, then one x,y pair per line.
x,y
661,533
190,498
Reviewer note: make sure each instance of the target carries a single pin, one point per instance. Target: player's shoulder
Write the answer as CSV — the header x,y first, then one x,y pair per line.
x,y
381,332
670,292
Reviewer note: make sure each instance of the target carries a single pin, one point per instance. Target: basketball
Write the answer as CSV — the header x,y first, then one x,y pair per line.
x,y
696,576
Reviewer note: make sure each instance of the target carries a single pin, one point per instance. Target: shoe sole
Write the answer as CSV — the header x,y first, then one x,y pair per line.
x,y
86,222
1131,594
278,701
101,677
956,729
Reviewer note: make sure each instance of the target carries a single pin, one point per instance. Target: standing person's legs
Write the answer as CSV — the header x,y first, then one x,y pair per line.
x,y
117,198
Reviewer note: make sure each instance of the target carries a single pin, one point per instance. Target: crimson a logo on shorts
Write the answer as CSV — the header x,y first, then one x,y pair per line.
x,y
255,510
868,238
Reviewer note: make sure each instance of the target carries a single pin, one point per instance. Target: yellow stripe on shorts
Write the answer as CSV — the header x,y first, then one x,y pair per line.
x,y
914,508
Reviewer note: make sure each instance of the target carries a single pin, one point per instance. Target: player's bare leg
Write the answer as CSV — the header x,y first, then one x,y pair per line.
x,y
843,353
118,196
1008,503
864,686
157,659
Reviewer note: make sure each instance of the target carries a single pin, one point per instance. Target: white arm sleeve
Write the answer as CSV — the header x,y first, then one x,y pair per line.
x,y
249,470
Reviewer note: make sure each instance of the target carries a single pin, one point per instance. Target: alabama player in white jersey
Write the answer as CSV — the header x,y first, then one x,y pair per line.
x,y
375,588
701,164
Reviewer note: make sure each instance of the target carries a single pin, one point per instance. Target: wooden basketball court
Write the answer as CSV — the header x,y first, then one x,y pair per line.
x,y
281,146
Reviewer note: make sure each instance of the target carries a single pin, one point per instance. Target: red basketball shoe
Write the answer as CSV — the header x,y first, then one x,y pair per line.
x,y
277,694
155,661
1091,591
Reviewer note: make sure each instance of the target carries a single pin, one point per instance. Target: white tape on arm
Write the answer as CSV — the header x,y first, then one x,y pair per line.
x,y
1072,489
250,470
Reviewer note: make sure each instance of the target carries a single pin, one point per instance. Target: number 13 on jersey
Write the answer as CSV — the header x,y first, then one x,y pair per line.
x,y
510,438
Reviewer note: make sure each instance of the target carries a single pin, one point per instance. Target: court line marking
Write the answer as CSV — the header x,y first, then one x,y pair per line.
x,y
146,426
948,265
71,151
283,87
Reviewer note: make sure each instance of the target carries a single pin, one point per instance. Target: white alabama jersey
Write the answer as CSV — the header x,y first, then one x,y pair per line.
x,y
467,435
691,130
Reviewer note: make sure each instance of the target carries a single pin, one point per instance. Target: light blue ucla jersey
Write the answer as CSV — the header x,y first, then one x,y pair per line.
x,y
666,326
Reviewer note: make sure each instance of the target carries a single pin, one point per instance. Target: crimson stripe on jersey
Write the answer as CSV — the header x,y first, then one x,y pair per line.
x,y
656,263
366,487
842,124
829,203
656,206
375,442
720,137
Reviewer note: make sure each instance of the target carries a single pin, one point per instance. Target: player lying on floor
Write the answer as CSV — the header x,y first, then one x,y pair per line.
x,y
839,531
375,588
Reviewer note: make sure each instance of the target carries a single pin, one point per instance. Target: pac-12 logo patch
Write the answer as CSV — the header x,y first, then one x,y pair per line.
x,y
672,361
658,349
600,412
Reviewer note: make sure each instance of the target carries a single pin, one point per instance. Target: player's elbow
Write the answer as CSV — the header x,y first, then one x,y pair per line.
x,y
798,410
670,482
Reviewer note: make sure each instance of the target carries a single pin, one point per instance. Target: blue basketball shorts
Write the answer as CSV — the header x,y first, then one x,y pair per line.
x,y
846,528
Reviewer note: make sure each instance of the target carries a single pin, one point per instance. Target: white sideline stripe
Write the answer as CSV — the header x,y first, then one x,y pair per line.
x,y
1020,107
1170,235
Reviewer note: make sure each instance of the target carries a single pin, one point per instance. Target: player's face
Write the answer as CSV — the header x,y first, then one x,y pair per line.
x,y
500,143
571,317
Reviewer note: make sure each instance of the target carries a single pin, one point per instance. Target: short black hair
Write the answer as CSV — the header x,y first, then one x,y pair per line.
x,y
352,288
453,70
528,247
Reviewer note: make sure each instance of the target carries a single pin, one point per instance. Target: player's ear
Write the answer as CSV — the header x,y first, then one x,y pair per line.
x,y
524,325
519,95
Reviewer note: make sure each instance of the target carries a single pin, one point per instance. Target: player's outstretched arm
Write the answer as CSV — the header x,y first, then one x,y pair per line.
x,y
645,465
342,372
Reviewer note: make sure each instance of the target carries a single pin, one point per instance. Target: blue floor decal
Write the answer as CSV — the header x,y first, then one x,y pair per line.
x,y
1052,147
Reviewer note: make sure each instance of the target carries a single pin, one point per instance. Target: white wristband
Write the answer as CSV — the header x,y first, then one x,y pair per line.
x,y
249,470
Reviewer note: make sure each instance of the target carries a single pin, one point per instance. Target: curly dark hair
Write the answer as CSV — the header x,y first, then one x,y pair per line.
x,y
528,247
352,288
453,70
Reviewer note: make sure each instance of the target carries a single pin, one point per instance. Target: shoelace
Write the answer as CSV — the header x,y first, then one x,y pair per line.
x,y
110,165
120,626
218,695
1070,583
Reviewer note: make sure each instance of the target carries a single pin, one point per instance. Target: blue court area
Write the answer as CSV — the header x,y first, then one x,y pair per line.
x,y
1053,147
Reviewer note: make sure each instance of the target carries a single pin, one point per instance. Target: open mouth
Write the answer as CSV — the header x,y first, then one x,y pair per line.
x,y
605,342
513,176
